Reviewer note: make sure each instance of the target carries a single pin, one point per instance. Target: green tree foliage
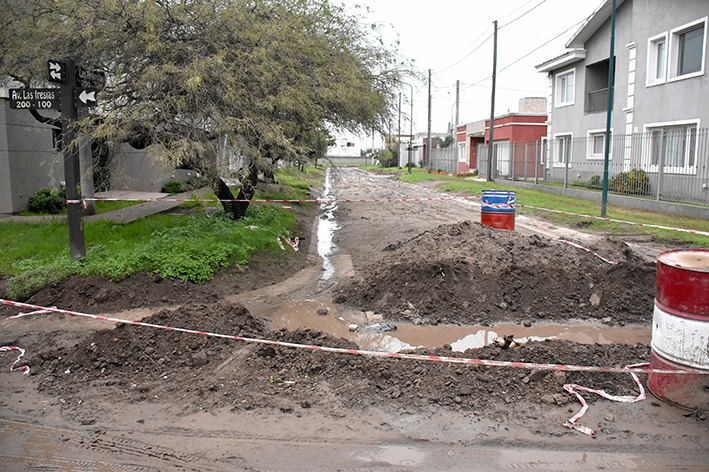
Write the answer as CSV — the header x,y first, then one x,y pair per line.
x,y
266,77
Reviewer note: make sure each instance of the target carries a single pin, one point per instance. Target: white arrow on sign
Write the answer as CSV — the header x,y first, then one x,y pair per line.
x,y
87,97
55,70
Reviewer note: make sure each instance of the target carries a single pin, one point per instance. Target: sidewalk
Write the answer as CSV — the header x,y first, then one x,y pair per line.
x,y
124,215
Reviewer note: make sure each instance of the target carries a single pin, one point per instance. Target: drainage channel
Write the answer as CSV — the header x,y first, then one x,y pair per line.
x,y
327,225
295,314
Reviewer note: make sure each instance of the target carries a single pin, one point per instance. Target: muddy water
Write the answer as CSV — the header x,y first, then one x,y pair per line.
x,y
326,229
304,313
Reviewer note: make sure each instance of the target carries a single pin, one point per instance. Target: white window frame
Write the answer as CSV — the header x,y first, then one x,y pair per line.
x,y
462,157
648,146
590,155
652,60
673,50
558,89
555,153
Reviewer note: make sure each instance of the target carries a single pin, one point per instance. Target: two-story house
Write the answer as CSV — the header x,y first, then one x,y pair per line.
x,y
660,107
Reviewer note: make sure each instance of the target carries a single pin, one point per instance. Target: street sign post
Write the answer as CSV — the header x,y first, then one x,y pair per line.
x,y
35,99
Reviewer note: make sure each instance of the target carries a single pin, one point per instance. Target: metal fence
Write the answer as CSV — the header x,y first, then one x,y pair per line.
x,y
666,164
444,159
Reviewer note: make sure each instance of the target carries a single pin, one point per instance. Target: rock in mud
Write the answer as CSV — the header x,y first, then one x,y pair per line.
x,y
377,328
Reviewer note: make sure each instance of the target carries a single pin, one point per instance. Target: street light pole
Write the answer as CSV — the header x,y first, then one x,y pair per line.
x,y
411,123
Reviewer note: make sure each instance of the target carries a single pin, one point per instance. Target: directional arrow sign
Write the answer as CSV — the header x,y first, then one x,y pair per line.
x,y
85,97
56,71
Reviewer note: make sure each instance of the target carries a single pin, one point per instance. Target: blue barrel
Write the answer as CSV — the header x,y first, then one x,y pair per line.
x,y
498,209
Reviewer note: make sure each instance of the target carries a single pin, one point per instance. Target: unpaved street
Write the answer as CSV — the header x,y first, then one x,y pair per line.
x,y
109,397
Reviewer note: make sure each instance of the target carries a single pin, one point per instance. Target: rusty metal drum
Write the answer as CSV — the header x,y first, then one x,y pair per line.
x,y
680,328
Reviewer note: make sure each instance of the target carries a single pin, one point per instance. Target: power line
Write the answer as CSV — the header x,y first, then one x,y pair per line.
x,y
471,52
525,13
539,47
516,10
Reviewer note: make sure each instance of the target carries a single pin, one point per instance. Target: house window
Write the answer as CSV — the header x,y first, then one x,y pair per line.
x,y
597,144
562,149
687,50
673,146
565,88
657,60
461,153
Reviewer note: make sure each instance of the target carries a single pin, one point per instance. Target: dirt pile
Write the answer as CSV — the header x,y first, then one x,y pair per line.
x,y
469,273
141,364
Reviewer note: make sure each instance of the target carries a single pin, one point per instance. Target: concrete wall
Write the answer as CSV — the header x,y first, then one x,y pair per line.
x,y
28,161
141,169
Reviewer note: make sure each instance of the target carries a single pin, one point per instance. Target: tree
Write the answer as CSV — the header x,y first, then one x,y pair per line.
x,y
268,77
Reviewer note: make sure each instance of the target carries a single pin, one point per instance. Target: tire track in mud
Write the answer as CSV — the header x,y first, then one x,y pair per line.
x,y
33,447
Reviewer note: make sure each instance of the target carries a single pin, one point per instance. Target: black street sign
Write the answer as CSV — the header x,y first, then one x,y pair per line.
x,y
56,71
35,99
90,78
85,97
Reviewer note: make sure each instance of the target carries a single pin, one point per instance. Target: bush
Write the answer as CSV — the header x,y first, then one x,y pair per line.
x,y
47,201
634,182
174,186
595,182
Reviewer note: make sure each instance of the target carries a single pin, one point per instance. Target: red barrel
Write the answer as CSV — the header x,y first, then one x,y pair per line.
x,y
680,328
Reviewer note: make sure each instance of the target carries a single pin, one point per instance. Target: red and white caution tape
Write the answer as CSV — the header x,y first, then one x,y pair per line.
x,y
571,388
395,355
389,200
691,231
24,368
586,249
317,200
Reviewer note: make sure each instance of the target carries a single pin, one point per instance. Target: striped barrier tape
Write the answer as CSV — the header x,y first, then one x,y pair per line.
x,y
390,200
571,388
24,368
586,249
691,231
395,355
316,200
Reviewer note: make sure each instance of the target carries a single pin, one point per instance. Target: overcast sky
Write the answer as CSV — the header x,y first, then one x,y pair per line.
x,y
453,38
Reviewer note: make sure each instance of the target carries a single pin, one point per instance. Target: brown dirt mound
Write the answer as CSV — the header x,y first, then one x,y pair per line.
x,y
468,273
141,364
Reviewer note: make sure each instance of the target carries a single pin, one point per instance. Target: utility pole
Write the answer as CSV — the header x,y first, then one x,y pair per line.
x,y
398,136
492,105
411,124
606,153
428,144
457,103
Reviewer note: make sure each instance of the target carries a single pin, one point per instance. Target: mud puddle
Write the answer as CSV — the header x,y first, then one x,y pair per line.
x,y
296,314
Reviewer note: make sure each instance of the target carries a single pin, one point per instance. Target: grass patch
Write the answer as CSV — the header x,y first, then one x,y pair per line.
x,y
189,248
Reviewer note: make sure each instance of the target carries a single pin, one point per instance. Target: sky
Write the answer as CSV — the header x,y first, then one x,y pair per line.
x,y
453,38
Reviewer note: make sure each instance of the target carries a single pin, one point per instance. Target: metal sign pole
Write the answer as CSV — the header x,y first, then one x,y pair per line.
x,y
72,170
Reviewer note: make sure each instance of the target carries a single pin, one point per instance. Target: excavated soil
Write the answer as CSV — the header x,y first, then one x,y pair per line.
x,y
468,273
136,364
418,263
